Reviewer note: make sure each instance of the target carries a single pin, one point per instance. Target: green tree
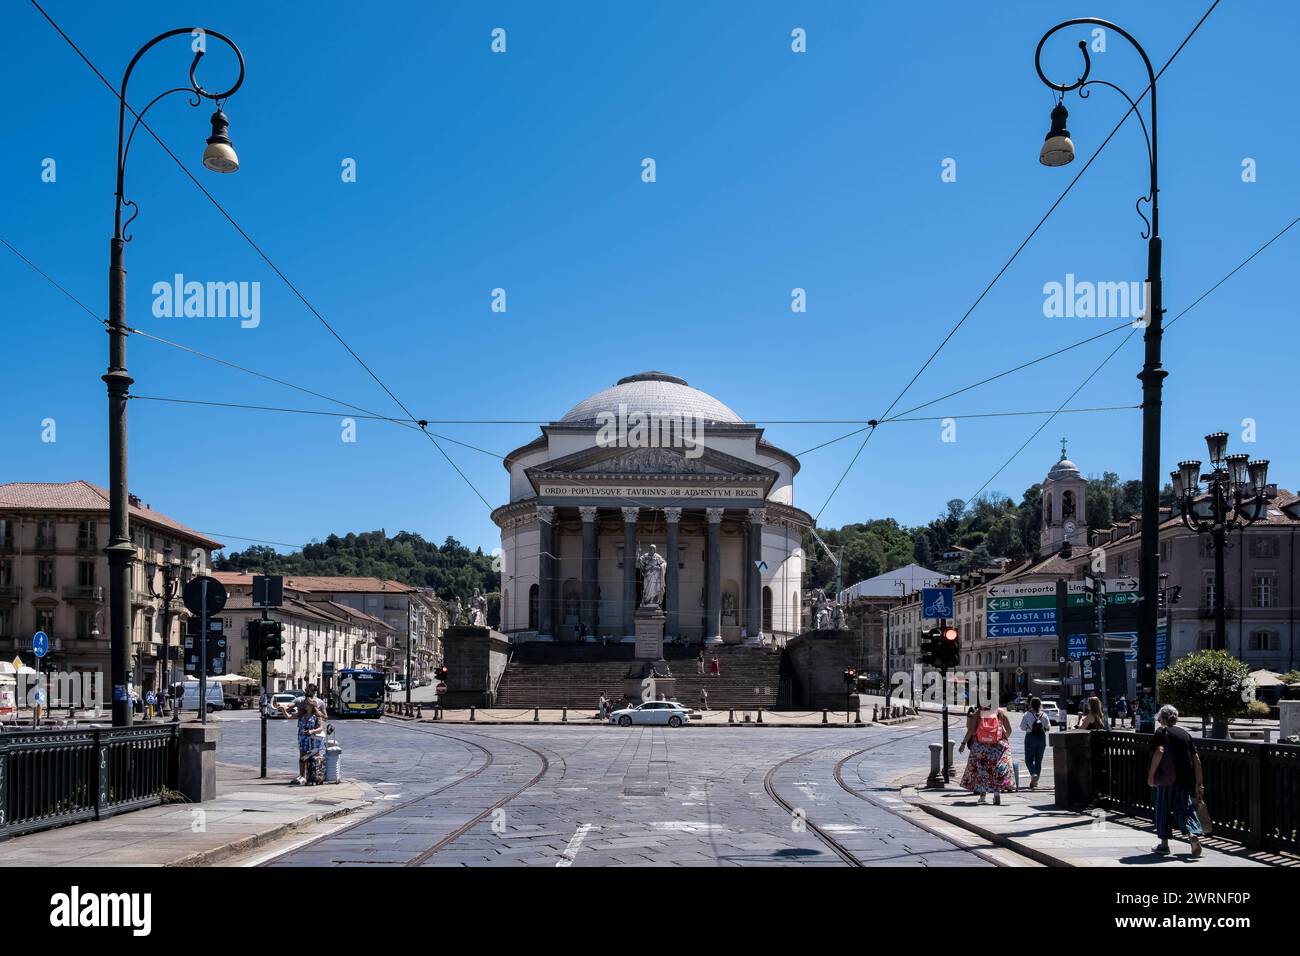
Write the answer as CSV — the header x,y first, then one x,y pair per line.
x,y
1211,685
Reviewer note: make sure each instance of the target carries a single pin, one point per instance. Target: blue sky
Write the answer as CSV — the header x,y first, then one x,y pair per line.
x,y
522,170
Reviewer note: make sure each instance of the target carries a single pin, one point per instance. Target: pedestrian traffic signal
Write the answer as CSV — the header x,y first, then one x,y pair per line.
x,y
272,640
850,675
254,640
949,649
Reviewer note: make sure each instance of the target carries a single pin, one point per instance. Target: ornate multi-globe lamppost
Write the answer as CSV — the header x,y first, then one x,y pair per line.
x,y
1058,150
1234,496
219,156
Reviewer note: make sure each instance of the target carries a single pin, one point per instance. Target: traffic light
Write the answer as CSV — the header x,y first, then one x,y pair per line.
x,y
1168,596
850,676
272,640
949,649
930,641
254,640
442,672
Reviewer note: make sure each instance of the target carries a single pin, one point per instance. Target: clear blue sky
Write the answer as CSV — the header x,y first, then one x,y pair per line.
x,y
522,171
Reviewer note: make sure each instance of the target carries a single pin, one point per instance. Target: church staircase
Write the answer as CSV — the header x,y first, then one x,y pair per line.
x,y
575,675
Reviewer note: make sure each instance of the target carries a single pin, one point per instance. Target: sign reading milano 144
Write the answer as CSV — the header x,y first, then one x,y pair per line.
x,y
1029,609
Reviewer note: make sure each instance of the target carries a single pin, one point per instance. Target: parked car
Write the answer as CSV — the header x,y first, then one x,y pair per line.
x,y
190,697
273,705
1053,712
661,712
394,685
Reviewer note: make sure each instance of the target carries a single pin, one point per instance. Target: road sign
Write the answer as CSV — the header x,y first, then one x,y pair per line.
x,y
1033,616
327,669
268,590
40,644
1022,630
1048,588
193,595
937,603
441,689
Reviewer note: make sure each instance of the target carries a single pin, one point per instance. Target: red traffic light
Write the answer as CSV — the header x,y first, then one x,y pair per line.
x,y
950,633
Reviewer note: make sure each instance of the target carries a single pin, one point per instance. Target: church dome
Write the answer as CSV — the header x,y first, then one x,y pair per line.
x,y
1064,469
652,393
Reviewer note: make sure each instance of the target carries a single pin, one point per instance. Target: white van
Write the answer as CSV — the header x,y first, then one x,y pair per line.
x,y
190,700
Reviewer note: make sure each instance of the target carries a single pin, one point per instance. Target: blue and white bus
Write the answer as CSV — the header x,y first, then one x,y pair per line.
x,y
358,692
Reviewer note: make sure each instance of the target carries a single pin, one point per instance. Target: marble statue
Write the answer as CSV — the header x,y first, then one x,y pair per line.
x,y
837,617
821,610
478,610
652,566
455,610
729,607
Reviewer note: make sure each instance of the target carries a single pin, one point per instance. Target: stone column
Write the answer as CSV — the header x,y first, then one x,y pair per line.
x,y
672,599
713,579
590,569
545,573
629,573
754,577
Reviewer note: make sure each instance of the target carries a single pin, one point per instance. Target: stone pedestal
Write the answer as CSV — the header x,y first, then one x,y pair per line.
x,y
197,775
1289,718
648,680
649,633
1072,768
476,658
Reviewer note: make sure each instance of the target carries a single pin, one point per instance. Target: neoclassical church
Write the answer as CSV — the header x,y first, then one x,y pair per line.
x,y
651,463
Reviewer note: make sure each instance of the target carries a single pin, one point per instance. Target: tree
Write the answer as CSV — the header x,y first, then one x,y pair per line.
x,y
921,548
1211,685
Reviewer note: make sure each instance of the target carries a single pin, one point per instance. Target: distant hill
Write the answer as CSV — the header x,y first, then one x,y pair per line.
x,y
452,569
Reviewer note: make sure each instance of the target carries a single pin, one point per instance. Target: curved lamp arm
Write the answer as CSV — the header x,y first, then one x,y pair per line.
x,y
1152,196
195,89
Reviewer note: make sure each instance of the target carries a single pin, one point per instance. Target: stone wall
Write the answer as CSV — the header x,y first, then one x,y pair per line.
x,y
475,658
817,660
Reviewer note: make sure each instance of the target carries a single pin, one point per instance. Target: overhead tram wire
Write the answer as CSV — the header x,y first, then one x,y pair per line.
x,y
1020,248
1194,303
256,248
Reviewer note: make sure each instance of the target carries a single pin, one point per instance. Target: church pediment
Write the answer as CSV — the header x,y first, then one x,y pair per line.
x,y
640,462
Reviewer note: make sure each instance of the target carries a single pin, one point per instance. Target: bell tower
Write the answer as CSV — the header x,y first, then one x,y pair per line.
x,y
1064,492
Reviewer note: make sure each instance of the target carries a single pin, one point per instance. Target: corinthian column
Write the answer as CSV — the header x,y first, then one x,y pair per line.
x,y
590,568
713,578
629,572
672,602
754,577
545,573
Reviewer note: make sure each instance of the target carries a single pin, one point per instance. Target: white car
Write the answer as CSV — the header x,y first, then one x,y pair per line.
x,y
667,712
273,704
1053,712
394,685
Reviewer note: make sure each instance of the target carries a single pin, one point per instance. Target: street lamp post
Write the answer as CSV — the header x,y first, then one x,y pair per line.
x,y
171,587
1058,150
219,156
1235,489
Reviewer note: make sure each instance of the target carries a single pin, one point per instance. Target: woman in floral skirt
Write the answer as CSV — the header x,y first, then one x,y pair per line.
x,y
988,768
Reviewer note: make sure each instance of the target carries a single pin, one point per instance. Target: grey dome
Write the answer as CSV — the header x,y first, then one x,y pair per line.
x,y
1064,469
652,393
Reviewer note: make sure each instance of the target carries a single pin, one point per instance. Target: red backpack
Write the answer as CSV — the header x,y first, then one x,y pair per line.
x,y
990,730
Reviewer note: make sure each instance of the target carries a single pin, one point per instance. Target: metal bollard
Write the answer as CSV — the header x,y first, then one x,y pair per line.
x,y
731,715
419,711
564,715
874,718
536,714
857,722
824,718
760,715
471,715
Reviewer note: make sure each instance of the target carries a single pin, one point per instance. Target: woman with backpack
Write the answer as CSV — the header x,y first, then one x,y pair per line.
x,y
1035,725
988,769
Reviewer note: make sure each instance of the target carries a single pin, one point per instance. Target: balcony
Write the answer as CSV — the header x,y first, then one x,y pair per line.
x,y
84,592
1206,612
9,594
87,543
44,543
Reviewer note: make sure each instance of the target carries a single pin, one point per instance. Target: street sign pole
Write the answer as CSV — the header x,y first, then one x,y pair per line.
x,y
1099,599
203,653
943,683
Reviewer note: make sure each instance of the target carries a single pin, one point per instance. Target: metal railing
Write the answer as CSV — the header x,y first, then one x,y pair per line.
x,y
1252,789
50,778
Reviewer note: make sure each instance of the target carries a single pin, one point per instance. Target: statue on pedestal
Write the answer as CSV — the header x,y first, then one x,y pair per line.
x,y
838,622
478,610
652,566
821,610
455,611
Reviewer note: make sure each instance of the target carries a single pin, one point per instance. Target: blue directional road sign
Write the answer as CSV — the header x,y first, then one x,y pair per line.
x,y
40,644
1032,616
1021,630
937,603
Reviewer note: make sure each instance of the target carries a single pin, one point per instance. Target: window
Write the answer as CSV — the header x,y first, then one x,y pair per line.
x,y
45,622
767,610
85,624
45,575
86,574
85,534
45,534
1263,546
1263,590
1207,593
6,623
532,608
1264,640
6,573
1166,548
